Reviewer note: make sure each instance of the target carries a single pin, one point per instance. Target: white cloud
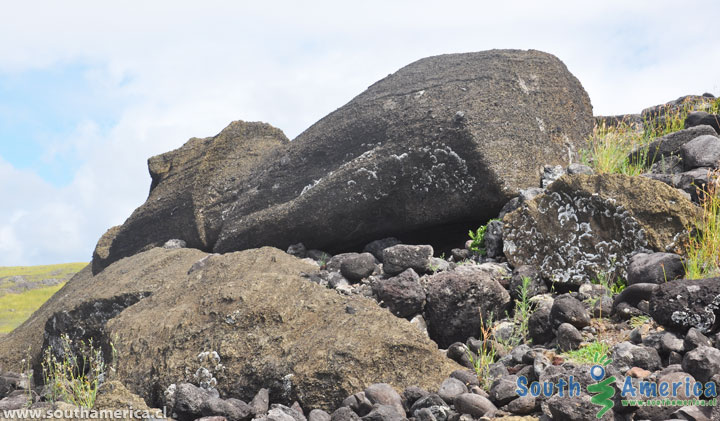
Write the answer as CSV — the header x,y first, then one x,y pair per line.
x,y
182,69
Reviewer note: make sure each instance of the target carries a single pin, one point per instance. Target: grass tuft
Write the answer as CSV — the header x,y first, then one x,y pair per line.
x,y
74,378
703,245
586,354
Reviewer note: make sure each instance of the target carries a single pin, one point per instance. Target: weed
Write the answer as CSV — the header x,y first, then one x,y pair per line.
x,y
703,245
485,356
478,238
74,378
586,354
637,321
609,148
612,288
523,310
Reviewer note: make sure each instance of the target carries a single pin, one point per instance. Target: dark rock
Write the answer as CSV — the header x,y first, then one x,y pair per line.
x,y
693,182
356,268
525,405
460,255
467,377
566,309
401,257
576,408
694,413
344,414
540,327
703,151
503,390
699,118
661,412
683,304
402,294
655,268
493,239
428,401
384,394
13,402
458,353
376,247
626,355
192,402
283,413
666,167
702,363
536,286
671,343
384,413
585,226
474,405
359,403
261,402
336,262
434,132
635,293
411,395
510,206
297,250
318,415
603,307
568,337
459,300
450,389
668,146
694,338
576,168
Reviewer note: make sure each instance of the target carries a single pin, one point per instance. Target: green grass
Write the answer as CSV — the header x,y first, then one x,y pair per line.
x,y
609,147
586,354
16,308
703,246
38,273
637,321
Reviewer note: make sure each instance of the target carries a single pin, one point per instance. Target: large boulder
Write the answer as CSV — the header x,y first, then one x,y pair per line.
x,y
682,304
461,301
245,320
440,145
192,190
588,226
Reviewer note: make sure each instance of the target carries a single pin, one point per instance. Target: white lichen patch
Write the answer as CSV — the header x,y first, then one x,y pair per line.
x,y
704,320
573,239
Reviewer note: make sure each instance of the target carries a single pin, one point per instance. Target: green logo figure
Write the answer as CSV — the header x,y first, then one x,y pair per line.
x,y
602,389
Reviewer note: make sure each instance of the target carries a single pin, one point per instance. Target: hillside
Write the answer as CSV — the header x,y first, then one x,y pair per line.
x,y
25,288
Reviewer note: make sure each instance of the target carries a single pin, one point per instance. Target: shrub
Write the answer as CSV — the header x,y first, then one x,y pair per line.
x,y
74,378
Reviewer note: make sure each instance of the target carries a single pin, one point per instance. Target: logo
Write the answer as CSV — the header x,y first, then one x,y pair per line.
x,y
634,392
602,390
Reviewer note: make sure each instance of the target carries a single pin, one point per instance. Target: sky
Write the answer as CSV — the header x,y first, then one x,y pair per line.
x,y
89,90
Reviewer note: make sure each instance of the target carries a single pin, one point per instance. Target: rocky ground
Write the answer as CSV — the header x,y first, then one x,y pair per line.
x,y
374,307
